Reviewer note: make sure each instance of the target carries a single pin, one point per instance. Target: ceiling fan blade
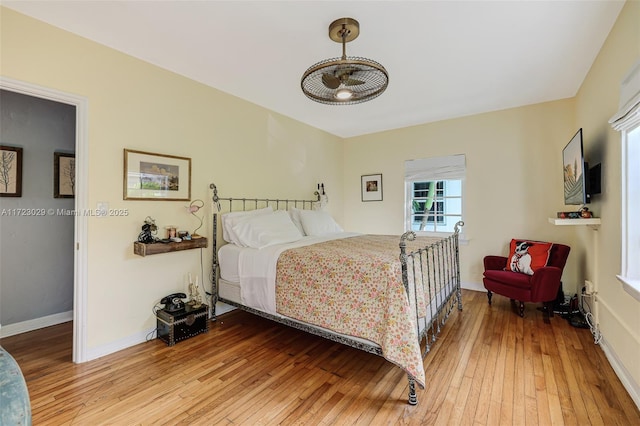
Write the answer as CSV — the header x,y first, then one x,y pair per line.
x,y
330,81
353,82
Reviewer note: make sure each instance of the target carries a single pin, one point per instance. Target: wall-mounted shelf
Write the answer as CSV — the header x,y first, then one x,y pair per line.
x,y
142,249
590,221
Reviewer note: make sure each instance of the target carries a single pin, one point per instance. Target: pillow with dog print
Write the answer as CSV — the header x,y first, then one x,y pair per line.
x,y
527,256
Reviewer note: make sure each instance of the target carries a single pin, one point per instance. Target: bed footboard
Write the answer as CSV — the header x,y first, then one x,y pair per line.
x,y
431,277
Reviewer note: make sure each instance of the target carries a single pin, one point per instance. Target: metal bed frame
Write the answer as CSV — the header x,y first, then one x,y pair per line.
x,y
442,256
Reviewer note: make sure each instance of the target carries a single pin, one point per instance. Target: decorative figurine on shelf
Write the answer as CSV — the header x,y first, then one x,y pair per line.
x,y
193,208
585,213
149,229
194,293
191,301
198,300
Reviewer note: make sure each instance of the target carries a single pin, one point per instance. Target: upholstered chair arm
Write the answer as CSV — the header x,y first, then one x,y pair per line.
x,y
545,283
495,263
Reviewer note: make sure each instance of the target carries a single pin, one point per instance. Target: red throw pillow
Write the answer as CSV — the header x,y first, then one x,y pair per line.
x,y
527,256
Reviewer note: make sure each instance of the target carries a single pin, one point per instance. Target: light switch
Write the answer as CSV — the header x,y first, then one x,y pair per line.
x,y
102,209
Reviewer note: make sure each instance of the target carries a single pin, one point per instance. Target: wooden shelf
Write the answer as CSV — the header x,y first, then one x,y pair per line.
x,y
142,249
590,221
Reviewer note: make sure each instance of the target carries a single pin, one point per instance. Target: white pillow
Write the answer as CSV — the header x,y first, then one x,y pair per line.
x,y
318,222
266,230
294,213
231,218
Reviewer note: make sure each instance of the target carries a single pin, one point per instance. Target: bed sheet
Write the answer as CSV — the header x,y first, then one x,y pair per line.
x,y
228,256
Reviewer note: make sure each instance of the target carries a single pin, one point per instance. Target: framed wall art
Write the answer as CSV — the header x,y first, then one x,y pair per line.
x,y
372,187
10,171
64,175
150,176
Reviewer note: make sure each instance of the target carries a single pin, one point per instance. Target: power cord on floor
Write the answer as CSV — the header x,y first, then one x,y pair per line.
x,y
150,335
588,316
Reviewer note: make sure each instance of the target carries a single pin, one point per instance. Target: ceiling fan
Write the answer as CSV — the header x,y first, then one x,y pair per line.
x,y
345,80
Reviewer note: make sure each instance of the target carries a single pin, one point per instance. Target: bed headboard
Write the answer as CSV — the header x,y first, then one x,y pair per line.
x,y
245,204
228,204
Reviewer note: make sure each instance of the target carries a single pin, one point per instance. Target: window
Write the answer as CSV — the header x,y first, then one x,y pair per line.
x,y
434,194
436,206
627,121
630,267
423,197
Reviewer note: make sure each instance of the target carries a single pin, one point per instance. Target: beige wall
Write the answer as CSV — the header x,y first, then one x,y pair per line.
x,y
596,103
245,149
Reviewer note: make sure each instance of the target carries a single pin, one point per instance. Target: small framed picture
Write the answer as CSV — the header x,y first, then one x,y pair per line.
x,y
149,176
64,175
372,187
10,171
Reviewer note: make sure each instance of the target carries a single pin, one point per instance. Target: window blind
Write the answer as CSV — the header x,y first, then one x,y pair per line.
x,y
629,112
628,116
435,168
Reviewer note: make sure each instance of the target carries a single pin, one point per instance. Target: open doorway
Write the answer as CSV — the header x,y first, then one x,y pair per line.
x,y
76,222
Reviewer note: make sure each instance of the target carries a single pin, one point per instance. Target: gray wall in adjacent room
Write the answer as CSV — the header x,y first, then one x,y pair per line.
x,y
36,252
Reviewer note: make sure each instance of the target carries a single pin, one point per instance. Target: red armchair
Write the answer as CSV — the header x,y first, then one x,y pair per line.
x,y
542,286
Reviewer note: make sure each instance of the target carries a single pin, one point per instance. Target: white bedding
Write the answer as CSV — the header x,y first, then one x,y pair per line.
x,y
228,260
256,269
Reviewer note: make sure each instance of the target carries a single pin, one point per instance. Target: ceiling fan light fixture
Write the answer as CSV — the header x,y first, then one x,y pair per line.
x,y
347,80
343,94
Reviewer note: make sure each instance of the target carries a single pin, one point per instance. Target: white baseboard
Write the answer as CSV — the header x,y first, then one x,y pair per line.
x,y
118,345
473,286
35,324
627,380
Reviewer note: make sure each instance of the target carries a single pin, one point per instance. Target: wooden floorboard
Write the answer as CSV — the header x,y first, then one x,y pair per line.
x,y
488,367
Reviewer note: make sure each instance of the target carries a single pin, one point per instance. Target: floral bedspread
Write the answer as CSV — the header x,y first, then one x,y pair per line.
x,y
354,286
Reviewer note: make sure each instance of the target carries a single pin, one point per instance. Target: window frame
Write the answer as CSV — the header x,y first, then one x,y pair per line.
x,y
627,122
630,200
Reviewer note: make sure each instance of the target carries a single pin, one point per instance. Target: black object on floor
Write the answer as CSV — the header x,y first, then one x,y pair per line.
x,y
578,320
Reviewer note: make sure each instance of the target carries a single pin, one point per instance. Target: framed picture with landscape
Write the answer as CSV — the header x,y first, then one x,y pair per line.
x,y
150,176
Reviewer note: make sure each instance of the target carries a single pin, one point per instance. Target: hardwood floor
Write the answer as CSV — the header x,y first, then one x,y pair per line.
x,y
489,367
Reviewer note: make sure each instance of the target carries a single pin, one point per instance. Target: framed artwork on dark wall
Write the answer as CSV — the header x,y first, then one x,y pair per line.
x,y
372,187
64,175
10,171
150,176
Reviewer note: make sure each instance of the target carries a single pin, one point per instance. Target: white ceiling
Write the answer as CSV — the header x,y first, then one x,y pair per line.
x,y
445,59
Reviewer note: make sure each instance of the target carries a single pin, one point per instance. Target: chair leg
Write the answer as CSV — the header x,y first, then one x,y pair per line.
x,y
548,306
521,311
489,294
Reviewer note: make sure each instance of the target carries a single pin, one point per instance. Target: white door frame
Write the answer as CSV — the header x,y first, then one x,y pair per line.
x,y
81,203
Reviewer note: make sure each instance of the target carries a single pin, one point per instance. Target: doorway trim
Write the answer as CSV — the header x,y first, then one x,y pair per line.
x,y
80,258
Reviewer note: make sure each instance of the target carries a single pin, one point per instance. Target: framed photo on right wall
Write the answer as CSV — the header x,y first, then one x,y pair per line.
x,y
372,187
